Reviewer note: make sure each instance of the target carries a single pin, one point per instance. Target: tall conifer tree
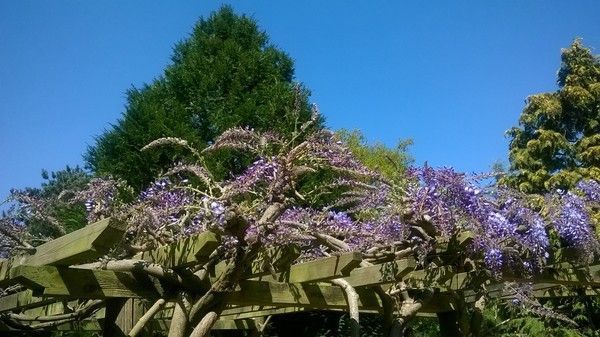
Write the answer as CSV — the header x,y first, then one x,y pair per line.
x,y
557,142
225,74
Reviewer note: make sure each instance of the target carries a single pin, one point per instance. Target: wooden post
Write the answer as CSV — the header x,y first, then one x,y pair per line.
x,y
118,319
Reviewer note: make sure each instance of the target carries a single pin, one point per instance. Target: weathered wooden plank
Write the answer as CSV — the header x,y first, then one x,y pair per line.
x,y
23,300
551,278
191,250
118,319
239,324
85,283
318,270
586,276
258,311
299,295
83,245
444,278
275,259
540,290
387,272
84,325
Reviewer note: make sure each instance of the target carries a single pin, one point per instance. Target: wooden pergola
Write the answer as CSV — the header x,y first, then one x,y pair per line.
x,y
44,289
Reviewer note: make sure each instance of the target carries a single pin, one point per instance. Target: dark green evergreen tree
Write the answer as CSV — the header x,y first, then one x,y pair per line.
x,y
558,139
225,74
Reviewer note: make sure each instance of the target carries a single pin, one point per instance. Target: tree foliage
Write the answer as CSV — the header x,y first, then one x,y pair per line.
x,y
225,74
391,163
46,211
557,142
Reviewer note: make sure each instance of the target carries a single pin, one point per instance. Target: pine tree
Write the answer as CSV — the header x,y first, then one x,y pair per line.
x,y
557,142
224,74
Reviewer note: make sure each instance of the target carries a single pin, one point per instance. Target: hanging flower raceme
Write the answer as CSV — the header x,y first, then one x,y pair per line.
x,y
101,197
572,222
262,172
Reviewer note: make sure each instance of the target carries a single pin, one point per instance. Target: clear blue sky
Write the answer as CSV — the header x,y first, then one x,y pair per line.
x,y
452,75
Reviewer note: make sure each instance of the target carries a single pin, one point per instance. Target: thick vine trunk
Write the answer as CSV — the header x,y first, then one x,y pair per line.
x,y
352,298
137,328
179,320
206,323
388,310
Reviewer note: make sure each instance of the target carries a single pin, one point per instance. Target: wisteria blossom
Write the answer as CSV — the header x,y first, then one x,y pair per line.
x,y
311,194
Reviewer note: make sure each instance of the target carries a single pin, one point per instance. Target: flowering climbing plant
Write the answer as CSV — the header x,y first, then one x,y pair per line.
x,y
368,213
308,191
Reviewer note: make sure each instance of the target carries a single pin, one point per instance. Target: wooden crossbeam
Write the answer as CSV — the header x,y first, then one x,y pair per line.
x,y
258,311
585,276
23,300
275,259
238,324
183,253
83,245
540,290
320,296
387,272
85,283
318,270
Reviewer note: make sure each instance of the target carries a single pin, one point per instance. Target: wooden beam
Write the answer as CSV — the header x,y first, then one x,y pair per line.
x,y
238,324
277,259
85,283
585,276
258,311
318,270
304,295
23,300
83,245
183,253
387,272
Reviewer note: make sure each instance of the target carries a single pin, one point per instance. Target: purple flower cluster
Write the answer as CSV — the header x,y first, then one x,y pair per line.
x,y
263,171
590,189
503,226
572,222
100,197
326,147
166,201
371,215
447,198
209,217
16,229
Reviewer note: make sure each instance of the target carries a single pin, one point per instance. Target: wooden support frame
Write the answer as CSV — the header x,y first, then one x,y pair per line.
x,y
23,300
318,270
83,245
183,253
86,283
271,286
